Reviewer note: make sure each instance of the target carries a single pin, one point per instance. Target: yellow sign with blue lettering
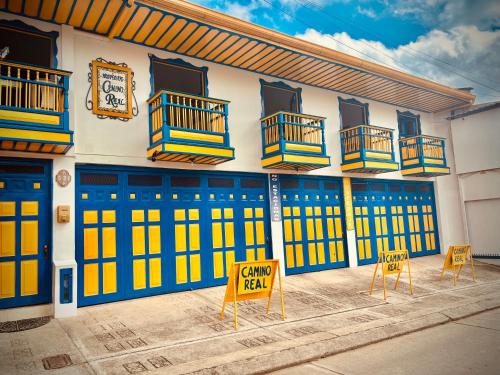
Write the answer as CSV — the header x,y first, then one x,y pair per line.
x,y
252,280
456,258
392,262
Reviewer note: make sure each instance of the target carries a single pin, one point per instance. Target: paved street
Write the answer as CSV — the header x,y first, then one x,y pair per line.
x,y
467,346
326,313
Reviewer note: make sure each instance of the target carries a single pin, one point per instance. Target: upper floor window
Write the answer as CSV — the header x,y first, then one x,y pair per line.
x,y
279,97
409,124
27,47
178,76
352,113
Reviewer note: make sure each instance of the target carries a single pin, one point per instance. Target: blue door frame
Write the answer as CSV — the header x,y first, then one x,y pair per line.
x,y
167,237
25,225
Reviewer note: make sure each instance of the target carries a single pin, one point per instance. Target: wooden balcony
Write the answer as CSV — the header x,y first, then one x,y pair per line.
x,y
423,156
367,149
188,128
34,109
293,141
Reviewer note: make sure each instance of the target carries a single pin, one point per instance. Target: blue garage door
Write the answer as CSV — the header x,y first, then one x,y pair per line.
x,y
313,225
142,232
394,215
25,232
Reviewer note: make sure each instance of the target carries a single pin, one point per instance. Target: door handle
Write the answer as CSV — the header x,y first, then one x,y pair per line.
x,y
46,251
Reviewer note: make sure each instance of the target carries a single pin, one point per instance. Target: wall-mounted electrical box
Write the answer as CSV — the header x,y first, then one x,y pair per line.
x,y
63,214
66,285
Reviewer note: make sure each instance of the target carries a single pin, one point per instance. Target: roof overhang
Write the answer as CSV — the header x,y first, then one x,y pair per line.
x,y
188,29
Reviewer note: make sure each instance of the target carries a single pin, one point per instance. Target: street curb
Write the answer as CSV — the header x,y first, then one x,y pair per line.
x,y
317,350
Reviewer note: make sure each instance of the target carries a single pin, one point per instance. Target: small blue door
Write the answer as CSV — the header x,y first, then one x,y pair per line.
x,y
25,223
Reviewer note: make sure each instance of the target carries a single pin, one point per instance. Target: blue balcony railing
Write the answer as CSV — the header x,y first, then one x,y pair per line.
x,y
293,141
34,109
423,155
188,128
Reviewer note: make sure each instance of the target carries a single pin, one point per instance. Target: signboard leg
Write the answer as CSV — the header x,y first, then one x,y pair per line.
x,y
442,272
222,311
454,276
235,303
374,276
397,281
472,265
459,270
385,290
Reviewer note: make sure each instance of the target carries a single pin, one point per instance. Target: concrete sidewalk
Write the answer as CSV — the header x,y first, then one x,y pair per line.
x,y
327,313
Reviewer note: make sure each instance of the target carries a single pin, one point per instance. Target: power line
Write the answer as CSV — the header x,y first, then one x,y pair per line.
x,y
318,8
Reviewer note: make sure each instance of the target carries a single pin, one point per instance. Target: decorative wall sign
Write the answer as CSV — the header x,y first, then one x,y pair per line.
x,y
112,88
275,197
63,178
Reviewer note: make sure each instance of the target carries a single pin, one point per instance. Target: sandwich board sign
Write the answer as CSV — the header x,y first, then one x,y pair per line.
x,y
252,280
392,262
456,257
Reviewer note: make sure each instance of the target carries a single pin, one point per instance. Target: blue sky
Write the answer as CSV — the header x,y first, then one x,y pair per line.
x,y
455,42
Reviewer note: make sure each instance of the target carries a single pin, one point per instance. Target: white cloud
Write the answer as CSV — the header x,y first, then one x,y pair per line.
x,y
368,12
468,50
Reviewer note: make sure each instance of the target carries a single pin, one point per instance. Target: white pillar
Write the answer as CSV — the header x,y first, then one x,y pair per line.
x,y
352,249
276,221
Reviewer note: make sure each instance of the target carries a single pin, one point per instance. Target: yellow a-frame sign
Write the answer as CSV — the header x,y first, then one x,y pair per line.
x,y
392,262
456,257
252,280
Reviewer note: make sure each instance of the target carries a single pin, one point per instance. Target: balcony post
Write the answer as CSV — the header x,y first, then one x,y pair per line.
x,y
66,103
444,153
362,148
164,120
392,146
323,145
226,126
280,124
420,147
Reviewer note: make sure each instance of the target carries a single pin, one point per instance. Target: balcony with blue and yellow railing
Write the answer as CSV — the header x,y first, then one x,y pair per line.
x,y
293,141
367,149
423,156
188,128
34,113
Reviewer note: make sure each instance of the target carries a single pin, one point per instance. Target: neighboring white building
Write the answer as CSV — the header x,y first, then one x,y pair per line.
x,y
476,145
96,208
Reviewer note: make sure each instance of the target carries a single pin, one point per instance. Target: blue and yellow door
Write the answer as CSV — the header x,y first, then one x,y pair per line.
x,y
142,232
393,215
313,225
25,227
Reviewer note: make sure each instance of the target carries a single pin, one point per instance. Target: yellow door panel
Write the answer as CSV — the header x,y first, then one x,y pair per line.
x,y
108,242
299,255
138,240
218,264
312,254
29,237
180,237
216,213
319,229
321,253
261,253
29,277
329,226
217,235
229,233
7,208
109,277
259,227
229,261
310,229
153,216
29,208
332,251
195,267
181,269
90,243
108,216
297,228
194,214
290,261
338,228
139,274
90,217
249,235
194,236
340,251
137,216
154,239
7,279
91,279
7,238
179,215
154,272
250,255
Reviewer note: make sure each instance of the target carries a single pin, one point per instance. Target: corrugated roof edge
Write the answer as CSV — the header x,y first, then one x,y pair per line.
x,y
224,21
472,110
